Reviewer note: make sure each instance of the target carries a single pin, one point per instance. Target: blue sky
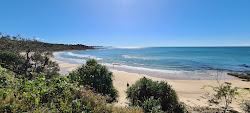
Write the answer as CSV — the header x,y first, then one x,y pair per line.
x,y
129,22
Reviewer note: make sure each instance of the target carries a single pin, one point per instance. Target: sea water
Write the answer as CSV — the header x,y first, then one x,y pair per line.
x,y
167,62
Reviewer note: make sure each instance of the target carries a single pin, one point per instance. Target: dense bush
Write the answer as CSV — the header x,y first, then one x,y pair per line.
x,y
151,105
35,57
41,95
96,76
42,64
34,63
12,61
146,88
50,95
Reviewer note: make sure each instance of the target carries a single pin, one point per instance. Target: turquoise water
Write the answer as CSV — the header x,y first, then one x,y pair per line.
x,y
166,59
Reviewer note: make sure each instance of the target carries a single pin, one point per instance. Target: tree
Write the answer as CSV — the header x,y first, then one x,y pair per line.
x,y
35,60
12,61
96,76
146,88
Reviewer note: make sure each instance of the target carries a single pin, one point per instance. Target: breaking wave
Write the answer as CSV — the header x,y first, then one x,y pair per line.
x,y
84,56
133,57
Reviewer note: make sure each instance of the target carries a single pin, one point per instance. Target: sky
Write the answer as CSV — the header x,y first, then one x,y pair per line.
x,y
129,23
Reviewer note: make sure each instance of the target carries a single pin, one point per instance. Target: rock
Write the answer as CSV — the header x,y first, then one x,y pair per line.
x,y
245,65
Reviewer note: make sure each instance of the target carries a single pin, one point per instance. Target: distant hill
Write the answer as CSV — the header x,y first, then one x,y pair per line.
x,y
19,44
63,47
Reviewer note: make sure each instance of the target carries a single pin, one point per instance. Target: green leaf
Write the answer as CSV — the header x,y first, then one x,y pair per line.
x,y
4,95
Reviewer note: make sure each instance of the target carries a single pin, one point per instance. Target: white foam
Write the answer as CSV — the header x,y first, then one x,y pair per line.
x,y
132,57
155,72
175,72
84,56
57,56
145,69
130,47
77,55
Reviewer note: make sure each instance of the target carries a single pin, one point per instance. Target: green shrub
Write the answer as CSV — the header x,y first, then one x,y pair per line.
x,y
12,61
223,96
97,77
151,105
146,88
36,63
50,95
23,95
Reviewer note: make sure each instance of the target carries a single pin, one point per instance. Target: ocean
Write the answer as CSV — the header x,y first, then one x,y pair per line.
x,y
167,62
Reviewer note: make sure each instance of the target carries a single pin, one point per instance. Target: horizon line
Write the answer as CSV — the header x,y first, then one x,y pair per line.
x,y
168,46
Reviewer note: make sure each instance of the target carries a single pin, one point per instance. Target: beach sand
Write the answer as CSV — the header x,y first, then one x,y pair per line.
x,y
189,91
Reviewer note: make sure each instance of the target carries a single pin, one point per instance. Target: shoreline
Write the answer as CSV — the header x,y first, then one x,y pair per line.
x,y
159,73
188,91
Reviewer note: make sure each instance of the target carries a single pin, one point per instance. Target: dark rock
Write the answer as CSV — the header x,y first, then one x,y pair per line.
x,y
240,75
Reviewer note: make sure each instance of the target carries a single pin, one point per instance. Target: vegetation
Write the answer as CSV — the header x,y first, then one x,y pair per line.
x,y
145,90
29,80
50,95
35,63
25,56
246,106
97,77
35,57
19,44
32,82
152,105
224,95
12,61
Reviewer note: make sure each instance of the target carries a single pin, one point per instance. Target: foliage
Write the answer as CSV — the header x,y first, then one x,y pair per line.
x,y
50,95
35,58
224,95
12,61
96,76
35,63
24,95
41,89
151,105
42,64
146,88
19,44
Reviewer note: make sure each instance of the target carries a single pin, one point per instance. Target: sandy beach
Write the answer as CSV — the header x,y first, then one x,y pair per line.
x,y
189,91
